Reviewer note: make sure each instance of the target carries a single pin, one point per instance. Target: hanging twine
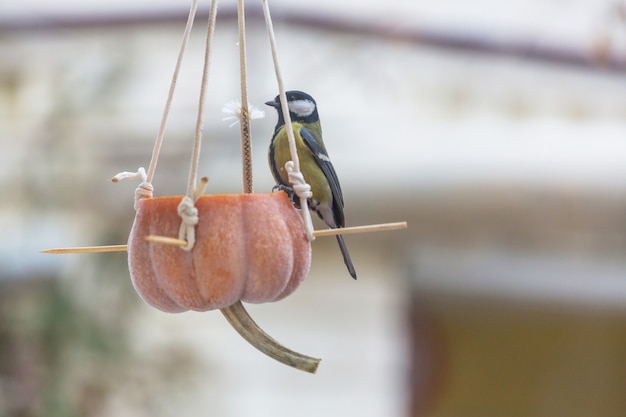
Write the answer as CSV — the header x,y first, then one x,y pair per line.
x,y
303,192
168,103
145,189
186,208
246,150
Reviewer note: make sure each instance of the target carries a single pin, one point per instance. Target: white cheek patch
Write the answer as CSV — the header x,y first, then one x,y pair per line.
x,y
301,108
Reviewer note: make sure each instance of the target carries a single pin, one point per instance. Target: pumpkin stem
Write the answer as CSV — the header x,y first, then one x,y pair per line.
x,y
241,321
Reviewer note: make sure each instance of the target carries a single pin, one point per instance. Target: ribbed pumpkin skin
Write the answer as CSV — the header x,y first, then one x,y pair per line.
x,y
249,247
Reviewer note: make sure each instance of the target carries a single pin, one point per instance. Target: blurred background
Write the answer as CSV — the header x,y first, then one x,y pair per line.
x,y
496,129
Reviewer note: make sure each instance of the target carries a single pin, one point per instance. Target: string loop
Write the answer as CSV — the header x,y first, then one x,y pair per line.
x,y
189,215
297,181
145,188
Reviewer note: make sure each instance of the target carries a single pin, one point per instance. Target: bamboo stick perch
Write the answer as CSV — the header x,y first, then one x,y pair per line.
x,y
178,242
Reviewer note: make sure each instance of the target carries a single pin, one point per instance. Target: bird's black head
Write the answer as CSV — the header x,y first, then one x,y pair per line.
x,y
302,107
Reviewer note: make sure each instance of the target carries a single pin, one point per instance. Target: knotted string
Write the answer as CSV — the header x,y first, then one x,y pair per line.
x,y
145,188
188,213
296,179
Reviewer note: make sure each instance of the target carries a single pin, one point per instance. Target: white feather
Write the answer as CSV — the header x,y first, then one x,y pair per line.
x,y
323,157
232,111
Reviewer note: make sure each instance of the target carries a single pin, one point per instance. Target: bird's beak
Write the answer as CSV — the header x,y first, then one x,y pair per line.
x,y
272,103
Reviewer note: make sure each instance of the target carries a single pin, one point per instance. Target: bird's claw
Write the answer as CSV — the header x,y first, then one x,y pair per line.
x,y
282,187
290,193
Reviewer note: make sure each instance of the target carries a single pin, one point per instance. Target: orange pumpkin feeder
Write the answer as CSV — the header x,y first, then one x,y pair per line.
x,y
249,247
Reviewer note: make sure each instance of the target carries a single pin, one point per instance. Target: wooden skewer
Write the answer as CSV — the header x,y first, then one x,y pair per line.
x,y
87,249
316,233
178,242
360,229
166,240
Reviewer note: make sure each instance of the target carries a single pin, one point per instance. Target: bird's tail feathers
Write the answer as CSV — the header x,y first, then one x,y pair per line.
x,y
346,256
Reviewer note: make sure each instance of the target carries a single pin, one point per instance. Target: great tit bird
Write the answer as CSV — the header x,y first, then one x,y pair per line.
x,y
315,165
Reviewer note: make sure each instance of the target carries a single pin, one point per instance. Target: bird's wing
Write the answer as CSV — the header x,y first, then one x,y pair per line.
x,y
327,168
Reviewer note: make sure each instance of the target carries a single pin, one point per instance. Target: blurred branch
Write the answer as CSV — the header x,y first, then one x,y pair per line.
x,y
593,58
